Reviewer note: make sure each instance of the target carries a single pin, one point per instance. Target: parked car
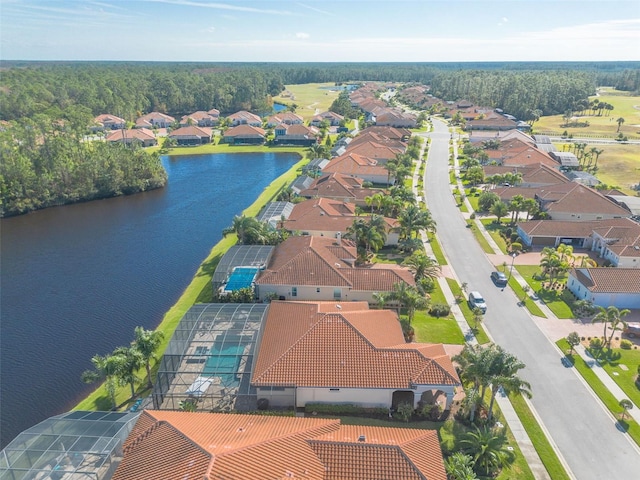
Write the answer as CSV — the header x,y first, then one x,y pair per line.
x,y
499,278
632,330
477,301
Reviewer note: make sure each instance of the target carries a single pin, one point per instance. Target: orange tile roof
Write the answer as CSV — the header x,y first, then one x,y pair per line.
x,y
373,150
244,130
167,445
142,134
354,164
192,131
577,198
340,350
609,280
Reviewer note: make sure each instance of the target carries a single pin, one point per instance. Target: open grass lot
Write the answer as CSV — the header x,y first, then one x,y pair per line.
x,y
494,230
555,300
197,291
430,329
479,237
625,106
624,378
629,425
450,432
309,97
437,249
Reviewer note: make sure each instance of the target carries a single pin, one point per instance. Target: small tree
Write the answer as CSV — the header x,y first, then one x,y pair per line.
x,y
189,405
405,410
626,405
573,339
477,317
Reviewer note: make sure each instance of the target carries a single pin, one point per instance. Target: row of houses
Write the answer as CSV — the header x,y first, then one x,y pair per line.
x,y
601,221
377,111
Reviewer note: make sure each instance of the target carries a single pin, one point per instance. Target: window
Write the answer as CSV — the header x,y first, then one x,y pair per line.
x,y
337,294
334,389
294,291
318,290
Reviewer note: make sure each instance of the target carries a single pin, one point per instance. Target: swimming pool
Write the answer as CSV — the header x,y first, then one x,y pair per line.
x,y
241,277
224,363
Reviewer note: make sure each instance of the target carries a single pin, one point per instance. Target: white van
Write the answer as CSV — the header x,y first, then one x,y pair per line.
x,y
476,301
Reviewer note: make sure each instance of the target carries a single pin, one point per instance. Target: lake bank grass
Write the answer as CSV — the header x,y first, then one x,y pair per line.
x,y
195,292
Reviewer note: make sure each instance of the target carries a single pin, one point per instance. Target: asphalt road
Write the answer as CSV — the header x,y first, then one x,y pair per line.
x,y
585,433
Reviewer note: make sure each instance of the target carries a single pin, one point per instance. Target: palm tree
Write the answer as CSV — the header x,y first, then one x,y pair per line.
x,y
131,361
381,299
244,227
551,264
515,205
409,298
566,252
487,447
611,316
105,369
147,343
503,371
619,121
375,200
459,466
412,219
474,362
422,266
500,210
530,206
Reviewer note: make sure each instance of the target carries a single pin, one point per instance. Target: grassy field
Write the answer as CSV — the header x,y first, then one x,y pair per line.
x,y
309,98
99,399
226,148
605,125
480,237
625,378
437,249
430,329
629,425
554,300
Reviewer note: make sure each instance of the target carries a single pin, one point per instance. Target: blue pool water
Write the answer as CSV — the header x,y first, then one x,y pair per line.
x,y
223,363
241,277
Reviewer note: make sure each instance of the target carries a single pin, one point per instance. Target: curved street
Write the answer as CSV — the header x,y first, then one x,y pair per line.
x,y
583,430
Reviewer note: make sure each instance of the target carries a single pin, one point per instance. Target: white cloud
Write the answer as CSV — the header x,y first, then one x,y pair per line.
x,y
223,6
505,19
302,35
317,10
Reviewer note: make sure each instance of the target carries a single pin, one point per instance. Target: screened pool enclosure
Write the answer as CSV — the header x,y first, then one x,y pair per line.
x,y
74,445
208,362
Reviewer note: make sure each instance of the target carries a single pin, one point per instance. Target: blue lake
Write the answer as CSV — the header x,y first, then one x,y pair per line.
x,y
278,107
76,280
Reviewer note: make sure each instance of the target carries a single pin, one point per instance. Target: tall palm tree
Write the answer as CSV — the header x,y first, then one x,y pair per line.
x,y
409,298
131,361
566,252
515,205
147,343
105,368
619,121
412,219
499,209
503,374
611,316
381,299
474,362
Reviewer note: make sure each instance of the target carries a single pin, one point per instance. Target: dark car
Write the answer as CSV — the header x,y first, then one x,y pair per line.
x,y
499,278
632,330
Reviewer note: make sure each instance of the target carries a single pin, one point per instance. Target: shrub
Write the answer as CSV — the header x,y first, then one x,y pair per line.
x,y
440,310
596,343
514,237
405,410
344,409
472,216
625,344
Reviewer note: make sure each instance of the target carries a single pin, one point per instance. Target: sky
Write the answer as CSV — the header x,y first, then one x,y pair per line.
x,y
320,31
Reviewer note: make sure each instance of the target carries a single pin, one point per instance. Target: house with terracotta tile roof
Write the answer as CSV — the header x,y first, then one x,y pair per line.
x,y
595,235
337,186
244,118
618,242
365,168
201,119
141,136
516,152
379,138
389,133
296,134
574,202
394,117
192,135
380,152
490,121
288,118
333,118
533,175
605,287
108,122
325,217
198,445
155,120
321,268
244,135
342,352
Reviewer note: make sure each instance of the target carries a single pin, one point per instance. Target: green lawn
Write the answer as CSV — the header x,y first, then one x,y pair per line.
x,y
480,237
479,332
473,200
625,378
431,329
630,425
494,230
196,291
437,250
557,302
540,441
226,148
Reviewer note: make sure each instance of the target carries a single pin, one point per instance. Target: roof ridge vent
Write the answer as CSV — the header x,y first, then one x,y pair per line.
x,y
362,438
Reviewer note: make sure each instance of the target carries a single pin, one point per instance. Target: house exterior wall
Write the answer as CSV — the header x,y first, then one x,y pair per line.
x,y
628,262
604,299
392,237
364,397
278,397
304,292
581,217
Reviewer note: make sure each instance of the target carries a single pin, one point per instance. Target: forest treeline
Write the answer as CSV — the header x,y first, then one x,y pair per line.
x,y
131,89
45,163
50,105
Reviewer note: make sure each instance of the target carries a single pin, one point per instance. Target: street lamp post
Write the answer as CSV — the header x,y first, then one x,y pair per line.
x,y
513,259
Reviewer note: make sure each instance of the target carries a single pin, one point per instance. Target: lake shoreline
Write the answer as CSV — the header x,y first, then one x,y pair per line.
x,y
201,279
